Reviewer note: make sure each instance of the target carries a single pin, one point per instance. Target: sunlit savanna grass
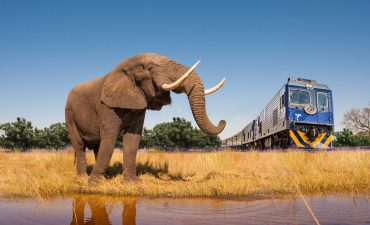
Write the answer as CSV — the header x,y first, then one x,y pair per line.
x,y
227,173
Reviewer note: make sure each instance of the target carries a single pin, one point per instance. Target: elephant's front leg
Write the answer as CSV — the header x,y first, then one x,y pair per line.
x,y
105,154
131,143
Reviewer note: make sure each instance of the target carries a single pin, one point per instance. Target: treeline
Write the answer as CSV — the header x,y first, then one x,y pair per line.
x,y
347,138
357,131
176,135
22,135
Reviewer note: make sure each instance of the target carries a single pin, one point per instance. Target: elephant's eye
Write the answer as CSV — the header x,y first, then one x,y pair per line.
x,y
150,68
140,69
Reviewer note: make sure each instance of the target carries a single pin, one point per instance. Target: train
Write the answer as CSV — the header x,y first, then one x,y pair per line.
x,y
300,115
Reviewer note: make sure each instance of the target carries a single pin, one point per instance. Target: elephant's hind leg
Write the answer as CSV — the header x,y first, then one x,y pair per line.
x,y
80,155
77,143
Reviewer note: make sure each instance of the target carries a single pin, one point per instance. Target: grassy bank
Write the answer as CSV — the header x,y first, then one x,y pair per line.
x,y
43,174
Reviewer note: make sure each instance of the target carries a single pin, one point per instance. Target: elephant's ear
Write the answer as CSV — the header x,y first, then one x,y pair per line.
x,y
120,91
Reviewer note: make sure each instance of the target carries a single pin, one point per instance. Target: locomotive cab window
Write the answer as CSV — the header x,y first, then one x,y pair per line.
x,y
322,100
299,97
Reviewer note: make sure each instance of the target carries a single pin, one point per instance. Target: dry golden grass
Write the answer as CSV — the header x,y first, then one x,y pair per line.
x,y
227,173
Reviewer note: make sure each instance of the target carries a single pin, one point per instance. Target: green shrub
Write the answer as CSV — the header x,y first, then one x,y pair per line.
x,y
178,134
346,138
21,135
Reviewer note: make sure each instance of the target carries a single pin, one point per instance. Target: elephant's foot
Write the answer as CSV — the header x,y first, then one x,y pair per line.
x,y
131,179
82,174
95,179
82,177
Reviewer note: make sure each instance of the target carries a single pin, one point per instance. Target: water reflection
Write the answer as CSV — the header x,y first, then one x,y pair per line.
x,y
80,210
98,211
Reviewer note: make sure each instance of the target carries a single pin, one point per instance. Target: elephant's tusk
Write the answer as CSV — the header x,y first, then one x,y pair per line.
x,y
215,88
169,87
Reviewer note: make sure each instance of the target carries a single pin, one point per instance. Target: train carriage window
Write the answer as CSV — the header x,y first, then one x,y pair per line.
x,y
322,100
275,117
299,97
282,101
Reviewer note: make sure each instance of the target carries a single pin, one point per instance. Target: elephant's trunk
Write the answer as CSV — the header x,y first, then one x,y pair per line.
x,y
193,87
195,91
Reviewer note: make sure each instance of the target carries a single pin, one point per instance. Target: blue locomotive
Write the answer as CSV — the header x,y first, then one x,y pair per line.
x,y
300,115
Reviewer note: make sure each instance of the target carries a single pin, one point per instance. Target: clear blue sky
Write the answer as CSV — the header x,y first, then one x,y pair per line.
x,y
47,47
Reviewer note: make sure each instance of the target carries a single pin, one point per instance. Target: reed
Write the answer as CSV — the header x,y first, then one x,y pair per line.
x,y
195,174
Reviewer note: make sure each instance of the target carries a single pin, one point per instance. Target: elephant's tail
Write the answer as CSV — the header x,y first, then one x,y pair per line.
x,y
74,135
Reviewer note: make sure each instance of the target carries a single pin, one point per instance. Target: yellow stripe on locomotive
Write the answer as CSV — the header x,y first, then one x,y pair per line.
x,y
299,139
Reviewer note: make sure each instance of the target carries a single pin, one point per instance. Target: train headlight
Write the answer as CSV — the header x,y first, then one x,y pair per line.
x,y
309,85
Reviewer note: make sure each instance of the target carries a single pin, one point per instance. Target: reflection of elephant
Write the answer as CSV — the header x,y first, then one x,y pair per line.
x,y
97,110
99,213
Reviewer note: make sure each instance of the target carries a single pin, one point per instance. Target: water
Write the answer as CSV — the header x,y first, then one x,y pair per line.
x,y
159,211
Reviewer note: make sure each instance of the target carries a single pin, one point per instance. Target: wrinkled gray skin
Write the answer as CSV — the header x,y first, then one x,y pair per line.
x,y
97,110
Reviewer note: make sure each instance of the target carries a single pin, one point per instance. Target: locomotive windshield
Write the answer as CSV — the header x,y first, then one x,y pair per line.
x,y
299,97
322,100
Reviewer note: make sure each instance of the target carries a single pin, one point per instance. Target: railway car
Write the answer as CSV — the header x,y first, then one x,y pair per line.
x,y
300,115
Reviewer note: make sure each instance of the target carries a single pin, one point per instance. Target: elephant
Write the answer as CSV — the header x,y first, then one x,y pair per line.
x,y
97,111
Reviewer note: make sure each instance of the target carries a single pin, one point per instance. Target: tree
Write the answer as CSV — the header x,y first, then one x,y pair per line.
x,y
54,136
178,134
346,138
147,138
19,134
358,120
